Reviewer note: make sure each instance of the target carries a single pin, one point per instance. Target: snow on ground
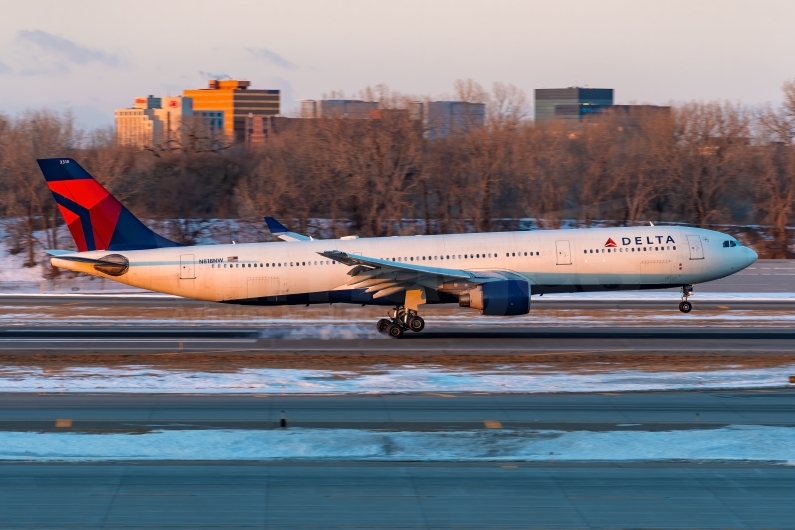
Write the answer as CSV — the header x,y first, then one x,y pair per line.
x,y
743,443
377,380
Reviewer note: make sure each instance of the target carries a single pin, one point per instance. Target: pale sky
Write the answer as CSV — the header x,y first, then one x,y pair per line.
x,y
97,55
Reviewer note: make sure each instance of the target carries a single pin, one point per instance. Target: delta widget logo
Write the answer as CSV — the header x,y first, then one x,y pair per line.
x,y
610,242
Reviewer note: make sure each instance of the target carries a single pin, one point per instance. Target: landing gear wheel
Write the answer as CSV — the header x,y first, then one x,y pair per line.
x,y
383,325
416,324
685,307
395,331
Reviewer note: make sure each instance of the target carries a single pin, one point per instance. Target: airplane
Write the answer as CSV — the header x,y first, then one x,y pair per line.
x,y
495,273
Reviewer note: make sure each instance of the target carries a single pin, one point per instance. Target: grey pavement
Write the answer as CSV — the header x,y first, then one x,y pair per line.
x,y
395,495
421,411
472,340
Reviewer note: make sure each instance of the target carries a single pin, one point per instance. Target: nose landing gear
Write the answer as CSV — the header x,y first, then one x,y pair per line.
x,y
400,319
684,305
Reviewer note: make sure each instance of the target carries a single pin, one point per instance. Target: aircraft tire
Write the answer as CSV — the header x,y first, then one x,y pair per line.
x,y
685,307
416,324
383,325
395,331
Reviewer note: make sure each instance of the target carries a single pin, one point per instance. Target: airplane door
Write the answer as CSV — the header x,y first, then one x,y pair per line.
x,y
696,250
564,252
262,287
187,267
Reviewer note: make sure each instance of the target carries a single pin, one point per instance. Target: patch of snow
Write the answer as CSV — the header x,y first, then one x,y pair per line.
x,y
743,443
377,380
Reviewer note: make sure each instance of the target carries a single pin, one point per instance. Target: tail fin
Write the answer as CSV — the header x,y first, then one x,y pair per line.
x,y
95,218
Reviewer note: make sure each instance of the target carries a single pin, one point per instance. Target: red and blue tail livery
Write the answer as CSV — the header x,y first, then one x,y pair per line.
x,y
95,218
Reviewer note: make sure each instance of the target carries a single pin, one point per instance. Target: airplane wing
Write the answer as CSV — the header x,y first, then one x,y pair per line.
x,y
386,277
280,231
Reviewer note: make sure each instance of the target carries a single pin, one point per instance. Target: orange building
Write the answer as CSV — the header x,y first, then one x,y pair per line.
x,y
237,101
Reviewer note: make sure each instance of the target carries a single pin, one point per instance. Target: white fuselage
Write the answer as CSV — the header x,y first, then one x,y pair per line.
x,y
551,260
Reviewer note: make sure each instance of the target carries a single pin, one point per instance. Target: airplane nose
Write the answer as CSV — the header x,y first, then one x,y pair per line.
x,y
751,255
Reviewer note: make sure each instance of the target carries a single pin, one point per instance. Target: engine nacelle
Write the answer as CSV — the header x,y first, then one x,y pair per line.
x,y
500,298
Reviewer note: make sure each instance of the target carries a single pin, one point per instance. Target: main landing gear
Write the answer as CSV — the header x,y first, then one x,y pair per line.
x,y
684,305
401,319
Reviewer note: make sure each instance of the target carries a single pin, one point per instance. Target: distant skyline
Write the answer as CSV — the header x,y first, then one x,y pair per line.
x,y
95,56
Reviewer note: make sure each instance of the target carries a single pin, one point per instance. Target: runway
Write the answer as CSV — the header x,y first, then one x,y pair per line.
x,y
51,335
424,411
372,495
470,340
350,494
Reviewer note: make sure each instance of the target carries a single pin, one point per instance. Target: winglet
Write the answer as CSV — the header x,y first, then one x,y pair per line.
x,y
281,231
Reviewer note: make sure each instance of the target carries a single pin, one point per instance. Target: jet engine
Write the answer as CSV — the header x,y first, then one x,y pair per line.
x,y
498,298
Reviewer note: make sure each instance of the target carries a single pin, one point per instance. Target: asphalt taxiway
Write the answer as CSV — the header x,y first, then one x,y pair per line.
x,y
396,495
474,340
420,411
351,494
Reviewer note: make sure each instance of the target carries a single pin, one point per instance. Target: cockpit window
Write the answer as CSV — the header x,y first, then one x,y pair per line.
x,y
727,244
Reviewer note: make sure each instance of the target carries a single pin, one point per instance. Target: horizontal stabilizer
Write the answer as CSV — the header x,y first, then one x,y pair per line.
x,y
56,252
80,259
281,231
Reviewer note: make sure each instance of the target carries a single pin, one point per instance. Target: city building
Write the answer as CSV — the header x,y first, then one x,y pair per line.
x,y
439,118
338,108
237,102
163,123
137,126
443,118
152,122
571,103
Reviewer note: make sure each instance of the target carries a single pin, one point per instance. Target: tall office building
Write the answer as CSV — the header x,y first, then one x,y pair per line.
x,y
153,122
338,108
237,102
443,118
162,123
571,103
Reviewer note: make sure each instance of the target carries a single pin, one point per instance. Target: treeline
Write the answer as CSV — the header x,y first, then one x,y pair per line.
x,y
707,164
